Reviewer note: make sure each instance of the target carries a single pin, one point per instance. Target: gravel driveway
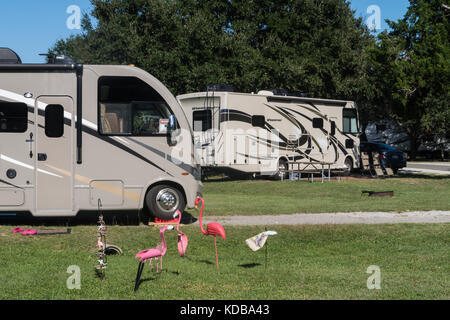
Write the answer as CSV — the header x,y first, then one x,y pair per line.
x,y
334,218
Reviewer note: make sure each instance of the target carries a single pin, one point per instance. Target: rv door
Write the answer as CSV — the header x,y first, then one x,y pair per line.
x,y
54,158
202,121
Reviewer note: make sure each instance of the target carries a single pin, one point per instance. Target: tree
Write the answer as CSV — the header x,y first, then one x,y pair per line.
x,y
309,46
410,67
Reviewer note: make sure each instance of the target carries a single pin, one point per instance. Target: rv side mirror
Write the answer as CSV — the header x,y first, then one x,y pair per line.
x,y
171,127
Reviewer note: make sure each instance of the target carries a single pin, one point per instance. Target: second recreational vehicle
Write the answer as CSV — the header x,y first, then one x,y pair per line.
x,y
75,136
268,134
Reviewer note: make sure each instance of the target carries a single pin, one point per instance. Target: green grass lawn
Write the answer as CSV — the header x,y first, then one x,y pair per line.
x,y
284,197
305,262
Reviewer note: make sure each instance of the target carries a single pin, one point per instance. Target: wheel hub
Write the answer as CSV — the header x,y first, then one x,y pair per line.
x,y
167,200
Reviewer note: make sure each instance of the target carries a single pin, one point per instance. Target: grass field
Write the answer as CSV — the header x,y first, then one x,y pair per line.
x,y
305,262
412,192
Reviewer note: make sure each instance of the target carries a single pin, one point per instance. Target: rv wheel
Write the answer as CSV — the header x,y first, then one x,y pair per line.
x,y
282,165
163,201
349,166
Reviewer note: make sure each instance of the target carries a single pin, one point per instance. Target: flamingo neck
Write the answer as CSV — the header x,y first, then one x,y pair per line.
x,y
200,218
179,220
163,241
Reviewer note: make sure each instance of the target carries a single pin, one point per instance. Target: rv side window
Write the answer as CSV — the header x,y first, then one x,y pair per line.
x,y
333,128
318,123
54,121
13,117
202,120
150,118
258,121
129,106
350,119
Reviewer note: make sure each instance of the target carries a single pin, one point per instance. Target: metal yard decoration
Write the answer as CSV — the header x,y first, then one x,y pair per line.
x,y
101,243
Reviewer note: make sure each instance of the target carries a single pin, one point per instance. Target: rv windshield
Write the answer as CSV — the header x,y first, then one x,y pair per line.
x,y
129,106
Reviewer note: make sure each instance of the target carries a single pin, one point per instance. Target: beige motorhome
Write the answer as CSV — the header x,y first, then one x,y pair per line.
x,y
132,149
270,134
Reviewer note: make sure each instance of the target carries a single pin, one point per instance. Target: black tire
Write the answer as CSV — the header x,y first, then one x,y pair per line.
x,y
163,200
349,166
282,164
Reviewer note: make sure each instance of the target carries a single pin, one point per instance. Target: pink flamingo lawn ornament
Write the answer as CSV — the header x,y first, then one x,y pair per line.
x,y
157,253
213,228
182,238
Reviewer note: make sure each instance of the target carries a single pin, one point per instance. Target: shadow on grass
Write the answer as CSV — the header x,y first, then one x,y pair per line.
x,y
125,218
422,176
353,176
249,265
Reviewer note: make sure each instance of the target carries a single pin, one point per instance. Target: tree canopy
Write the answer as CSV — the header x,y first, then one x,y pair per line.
x,y
315,47
410,69
308,46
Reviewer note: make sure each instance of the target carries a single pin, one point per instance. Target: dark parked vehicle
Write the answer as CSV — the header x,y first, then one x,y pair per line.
x,y
390,157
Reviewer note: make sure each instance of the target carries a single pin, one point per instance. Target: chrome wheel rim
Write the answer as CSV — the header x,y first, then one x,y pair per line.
x,y
167,200
282,166
348,164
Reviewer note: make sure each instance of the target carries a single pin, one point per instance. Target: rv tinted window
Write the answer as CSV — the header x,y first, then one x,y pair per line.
x,y
54,121
202,120
350,119
129,106
349,143
333,128
258,121
318,123
13,117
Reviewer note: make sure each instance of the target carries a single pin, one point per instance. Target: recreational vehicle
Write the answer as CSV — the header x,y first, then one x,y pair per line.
x,y
73,134
269,134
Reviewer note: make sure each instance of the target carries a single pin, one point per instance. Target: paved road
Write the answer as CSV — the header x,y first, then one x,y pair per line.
x,y
334,218
440,168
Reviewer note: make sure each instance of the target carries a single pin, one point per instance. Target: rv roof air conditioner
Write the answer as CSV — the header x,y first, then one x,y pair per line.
x,y
7,56
274,92
282,92
58,59
223,87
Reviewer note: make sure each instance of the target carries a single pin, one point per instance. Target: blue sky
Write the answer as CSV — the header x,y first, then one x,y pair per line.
x,y
30,27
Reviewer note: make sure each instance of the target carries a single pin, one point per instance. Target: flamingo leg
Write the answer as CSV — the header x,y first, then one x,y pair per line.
x,y
217,257
161,264
138,275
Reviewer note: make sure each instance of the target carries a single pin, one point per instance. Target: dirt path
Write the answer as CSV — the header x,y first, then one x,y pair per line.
x,y
334,218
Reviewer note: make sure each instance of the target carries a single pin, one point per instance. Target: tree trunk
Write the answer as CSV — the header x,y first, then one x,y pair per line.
x,y
414,147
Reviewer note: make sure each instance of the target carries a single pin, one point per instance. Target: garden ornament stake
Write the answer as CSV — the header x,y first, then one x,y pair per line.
x,y
213,228
158,252
257,242
101,243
